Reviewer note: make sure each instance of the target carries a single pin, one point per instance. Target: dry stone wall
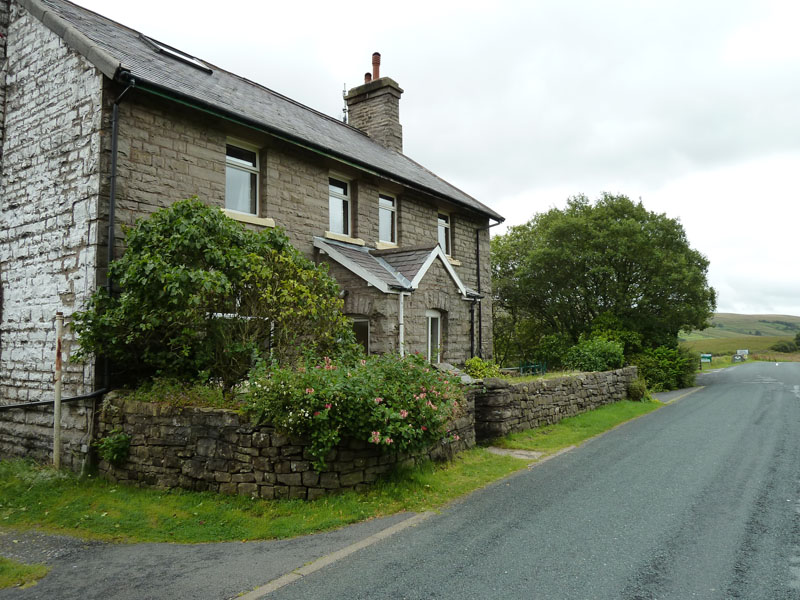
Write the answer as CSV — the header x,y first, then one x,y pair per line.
x,y
221,451
48,205
503,407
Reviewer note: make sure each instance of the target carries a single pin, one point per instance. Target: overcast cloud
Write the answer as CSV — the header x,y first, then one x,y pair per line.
x,y
692,106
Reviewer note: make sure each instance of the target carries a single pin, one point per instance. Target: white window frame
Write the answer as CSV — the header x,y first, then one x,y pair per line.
x,y
431,315
392,212
253,170
347,198
445,224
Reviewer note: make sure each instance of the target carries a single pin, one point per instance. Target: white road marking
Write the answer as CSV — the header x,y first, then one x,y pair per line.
x,y
299,573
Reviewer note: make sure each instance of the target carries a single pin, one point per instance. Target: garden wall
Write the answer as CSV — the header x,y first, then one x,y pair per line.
x,y
503,407
221,451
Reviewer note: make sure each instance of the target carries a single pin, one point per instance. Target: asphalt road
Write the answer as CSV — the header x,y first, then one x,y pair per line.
x,y
700,499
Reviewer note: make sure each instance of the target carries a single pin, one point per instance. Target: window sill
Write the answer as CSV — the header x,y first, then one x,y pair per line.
x,y
251,219
384,245
453,261
344,238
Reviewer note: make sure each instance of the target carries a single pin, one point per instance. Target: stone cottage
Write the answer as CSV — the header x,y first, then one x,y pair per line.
x,y
101,125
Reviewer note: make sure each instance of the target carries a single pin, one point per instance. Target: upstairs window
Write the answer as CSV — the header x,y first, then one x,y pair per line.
x,y
339,206
444,233
387,219
241,179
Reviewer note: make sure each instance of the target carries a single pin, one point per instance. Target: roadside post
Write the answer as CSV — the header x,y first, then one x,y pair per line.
x,y
57,401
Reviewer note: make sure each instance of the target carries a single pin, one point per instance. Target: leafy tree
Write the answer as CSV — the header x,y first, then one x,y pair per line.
x,y
611,266
202,297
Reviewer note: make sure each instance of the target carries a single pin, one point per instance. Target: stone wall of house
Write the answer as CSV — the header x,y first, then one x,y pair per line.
x,y
504,407
165,153
220,451
363,301
169,153
28,433
48,206
438,291
4,14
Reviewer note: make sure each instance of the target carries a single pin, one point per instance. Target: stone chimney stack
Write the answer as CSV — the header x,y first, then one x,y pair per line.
x,y
374,107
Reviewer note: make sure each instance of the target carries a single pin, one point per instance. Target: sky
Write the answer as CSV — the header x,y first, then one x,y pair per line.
x,y
691,106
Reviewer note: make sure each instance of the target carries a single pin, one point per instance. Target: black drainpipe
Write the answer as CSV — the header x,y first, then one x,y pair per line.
x,y
478,277
125,78
472,327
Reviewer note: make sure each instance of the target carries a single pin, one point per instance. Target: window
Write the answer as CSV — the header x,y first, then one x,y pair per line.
x,y
176,54
241,179
339,206
444,233
387,219
361,329
434,319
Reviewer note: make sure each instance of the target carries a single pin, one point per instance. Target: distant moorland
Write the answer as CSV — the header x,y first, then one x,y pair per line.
x,y
730,332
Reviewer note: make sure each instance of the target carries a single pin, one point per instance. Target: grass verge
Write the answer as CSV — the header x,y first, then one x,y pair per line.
x,y
575,430
17,574
32,496
59,502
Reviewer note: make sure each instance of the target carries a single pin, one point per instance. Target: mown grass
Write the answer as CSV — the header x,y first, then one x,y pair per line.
x,y
32,496
573,431
17,574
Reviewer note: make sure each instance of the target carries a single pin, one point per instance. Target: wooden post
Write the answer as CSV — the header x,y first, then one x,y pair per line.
x,y
57,403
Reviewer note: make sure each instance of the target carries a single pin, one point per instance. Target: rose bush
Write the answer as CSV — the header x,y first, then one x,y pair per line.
x,y
399,404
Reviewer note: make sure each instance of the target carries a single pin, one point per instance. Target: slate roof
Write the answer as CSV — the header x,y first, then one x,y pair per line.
x,y
112,47
393,271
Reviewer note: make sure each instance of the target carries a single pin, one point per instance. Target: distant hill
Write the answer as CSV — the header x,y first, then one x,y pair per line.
x,y
729,325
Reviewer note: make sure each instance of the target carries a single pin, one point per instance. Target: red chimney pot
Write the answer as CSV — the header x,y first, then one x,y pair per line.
x,y
376,65
367,77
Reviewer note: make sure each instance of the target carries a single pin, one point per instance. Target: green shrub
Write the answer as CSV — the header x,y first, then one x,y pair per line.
x,y
114,447
399,404
595,354
637,390
552,350
784,347
481,369
201,296
666,368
